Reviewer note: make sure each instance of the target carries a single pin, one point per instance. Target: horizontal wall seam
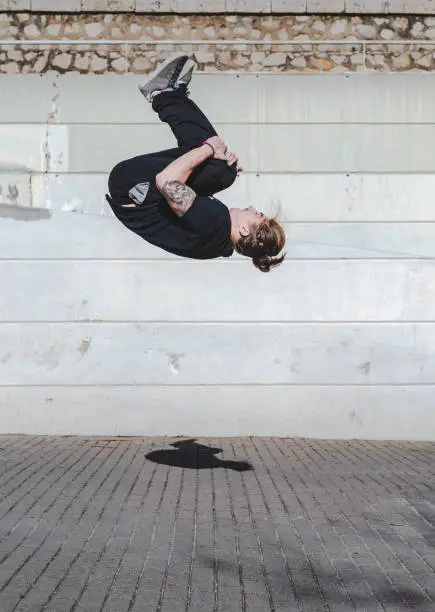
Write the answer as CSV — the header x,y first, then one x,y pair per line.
x,y
294,259
241,261
223,323
221,385
117,42
403,123
289,222
257,173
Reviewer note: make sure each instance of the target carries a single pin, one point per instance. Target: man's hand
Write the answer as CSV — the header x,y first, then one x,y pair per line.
x,y
233,159
221,151
219,147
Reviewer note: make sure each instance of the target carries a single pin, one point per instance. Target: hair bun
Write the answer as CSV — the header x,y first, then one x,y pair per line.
x,y
262,262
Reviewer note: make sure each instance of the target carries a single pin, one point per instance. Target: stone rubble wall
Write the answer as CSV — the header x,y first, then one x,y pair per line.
x,y
133,43
411,7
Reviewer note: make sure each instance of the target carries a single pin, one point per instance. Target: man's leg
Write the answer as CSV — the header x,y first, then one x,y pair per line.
x,y
190,127
166,89
188,123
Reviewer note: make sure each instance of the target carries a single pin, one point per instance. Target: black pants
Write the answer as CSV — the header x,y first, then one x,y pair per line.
x,y
190,127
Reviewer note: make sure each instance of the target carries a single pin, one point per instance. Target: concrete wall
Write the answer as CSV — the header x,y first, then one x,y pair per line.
x,y
225,6
101,333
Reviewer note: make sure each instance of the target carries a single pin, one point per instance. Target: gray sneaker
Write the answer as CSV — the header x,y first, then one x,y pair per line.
x,y
186,74
165,77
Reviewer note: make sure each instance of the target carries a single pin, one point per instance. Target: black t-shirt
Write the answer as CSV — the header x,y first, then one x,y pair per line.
x,y
203,232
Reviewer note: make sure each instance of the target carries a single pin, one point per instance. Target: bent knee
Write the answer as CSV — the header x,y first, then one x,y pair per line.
x,y
213,177
228,173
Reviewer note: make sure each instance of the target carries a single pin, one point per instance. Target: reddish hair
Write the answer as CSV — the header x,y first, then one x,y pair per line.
x,y
263,245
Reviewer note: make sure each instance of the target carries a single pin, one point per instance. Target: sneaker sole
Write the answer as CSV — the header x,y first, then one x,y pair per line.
x,y
186,73
164,74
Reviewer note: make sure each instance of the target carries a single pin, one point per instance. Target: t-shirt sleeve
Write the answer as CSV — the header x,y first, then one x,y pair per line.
x,y
206,216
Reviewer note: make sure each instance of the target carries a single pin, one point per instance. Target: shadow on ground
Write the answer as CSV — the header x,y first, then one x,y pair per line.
x,y
315,589
190,454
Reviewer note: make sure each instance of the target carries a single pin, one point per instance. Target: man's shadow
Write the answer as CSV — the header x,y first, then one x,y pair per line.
x,y
190,454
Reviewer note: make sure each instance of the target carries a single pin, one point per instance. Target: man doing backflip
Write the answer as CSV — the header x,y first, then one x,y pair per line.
x,y
167,197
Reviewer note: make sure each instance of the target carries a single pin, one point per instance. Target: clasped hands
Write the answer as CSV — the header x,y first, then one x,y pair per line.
x,y
221,152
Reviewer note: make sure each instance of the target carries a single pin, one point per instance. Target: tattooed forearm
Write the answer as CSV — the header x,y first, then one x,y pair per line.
x,y
178,195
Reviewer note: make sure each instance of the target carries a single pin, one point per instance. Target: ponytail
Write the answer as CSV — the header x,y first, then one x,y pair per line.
x,y
264,263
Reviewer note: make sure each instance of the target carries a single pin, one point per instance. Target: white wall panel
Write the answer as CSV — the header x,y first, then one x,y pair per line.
x,y
341,197
342,148
26,98
23,148
219,354
376,412
129,106
298,197
273,98
70,193
69,235
15,189
371,290
262,148
226,6
360,240
356,98
97,148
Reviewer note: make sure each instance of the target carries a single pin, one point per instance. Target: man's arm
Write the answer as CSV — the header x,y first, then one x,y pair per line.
x,y
179,196
171,181
180,169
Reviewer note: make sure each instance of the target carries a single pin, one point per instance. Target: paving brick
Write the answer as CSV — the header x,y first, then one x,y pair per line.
x,y
55,545
104,571
25,487
94,524
47,510
26,459
82,567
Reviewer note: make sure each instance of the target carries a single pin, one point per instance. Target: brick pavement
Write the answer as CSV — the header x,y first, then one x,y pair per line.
x,y
259,524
